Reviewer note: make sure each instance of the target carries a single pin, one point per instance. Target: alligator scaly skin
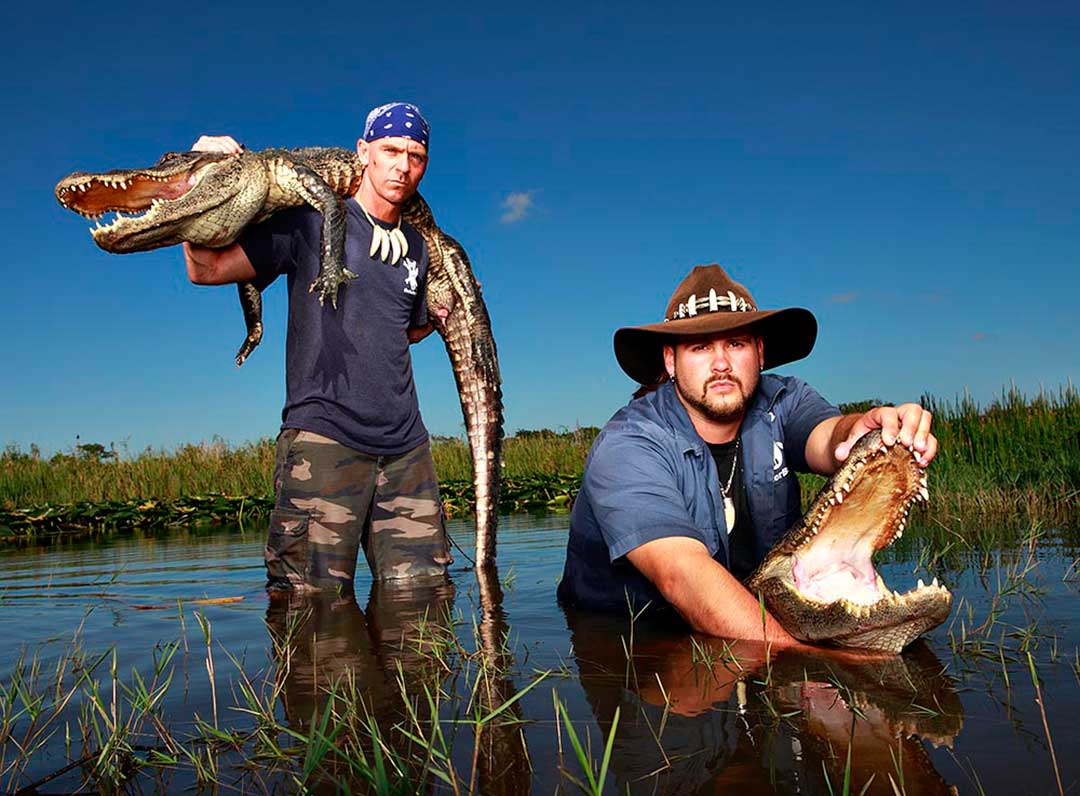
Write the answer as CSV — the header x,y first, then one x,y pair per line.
x,y
228,192
471,345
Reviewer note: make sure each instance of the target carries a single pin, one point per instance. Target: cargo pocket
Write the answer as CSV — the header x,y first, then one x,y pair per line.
x,y
281,457
286,551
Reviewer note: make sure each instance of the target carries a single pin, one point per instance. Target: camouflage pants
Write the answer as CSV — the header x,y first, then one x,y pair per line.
x,y
331,500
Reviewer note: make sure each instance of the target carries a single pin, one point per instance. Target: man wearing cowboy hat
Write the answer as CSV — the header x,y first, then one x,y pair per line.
x,y
687,487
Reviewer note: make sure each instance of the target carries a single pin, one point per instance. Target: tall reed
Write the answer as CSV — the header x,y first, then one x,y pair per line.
x,y
1018,455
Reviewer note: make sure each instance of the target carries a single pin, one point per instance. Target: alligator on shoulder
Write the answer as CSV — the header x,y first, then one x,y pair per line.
x,y
208,198
819,580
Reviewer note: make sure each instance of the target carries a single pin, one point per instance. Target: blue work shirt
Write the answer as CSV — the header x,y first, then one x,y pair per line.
x,y
650,475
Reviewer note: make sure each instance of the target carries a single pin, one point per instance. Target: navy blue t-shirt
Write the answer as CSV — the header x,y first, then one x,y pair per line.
x,y
348,372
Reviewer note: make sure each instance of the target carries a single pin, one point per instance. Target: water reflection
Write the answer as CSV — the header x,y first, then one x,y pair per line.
x,y
503,760
390,657
325,645
695,712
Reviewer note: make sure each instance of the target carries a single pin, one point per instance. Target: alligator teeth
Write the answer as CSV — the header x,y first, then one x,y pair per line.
x,y
839,496
376,239
934,582
920,585
924,493
384,246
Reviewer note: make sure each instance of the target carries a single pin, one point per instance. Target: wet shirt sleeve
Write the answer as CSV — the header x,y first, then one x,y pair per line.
x,y
634,494
803,408
271,246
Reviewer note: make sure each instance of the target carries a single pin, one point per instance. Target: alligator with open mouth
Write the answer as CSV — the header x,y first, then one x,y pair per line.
x,y
208,198
819,580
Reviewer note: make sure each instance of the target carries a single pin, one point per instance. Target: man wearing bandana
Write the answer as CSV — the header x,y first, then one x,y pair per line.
x,y
353,466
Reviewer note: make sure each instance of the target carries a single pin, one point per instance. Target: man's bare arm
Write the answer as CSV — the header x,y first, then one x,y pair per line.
x,y
418,333
704,593
206,266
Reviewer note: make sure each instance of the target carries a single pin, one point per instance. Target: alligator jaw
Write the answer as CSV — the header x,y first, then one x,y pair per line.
x,y
819,580
146,195
224,193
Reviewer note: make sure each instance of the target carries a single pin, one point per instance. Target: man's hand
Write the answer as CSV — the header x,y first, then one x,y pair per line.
x,y
218,143
908,423
418,333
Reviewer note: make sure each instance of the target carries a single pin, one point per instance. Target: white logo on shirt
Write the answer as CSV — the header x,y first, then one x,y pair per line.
x,y
779,468
411,275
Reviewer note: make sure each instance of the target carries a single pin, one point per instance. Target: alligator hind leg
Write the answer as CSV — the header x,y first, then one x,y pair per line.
x,y
321,196
251,304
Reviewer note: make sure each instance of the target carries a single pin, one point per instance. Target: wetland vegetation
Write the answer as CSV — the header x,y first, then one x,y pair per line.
x,y
162,667
153,661
1018,455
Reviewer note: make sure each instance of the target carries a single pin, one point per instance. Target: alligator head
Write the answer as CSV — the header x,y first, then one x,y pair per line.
x,y
819,580
186,196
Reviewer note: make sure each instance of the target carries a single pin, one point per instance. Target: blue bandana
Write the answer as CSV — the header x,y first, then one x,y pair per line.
x,y
397,119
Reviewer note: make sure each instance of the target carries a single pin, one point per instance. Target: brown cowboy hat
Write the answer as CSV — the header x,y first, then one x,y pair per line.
x,y
708,301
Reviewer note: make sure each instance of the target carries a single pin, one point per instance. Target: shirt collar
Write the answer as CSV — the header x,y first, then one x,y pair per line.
x,y
674,413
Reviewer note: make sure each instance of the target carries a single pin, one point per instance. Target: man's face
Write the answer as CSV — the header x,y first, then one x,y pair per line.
x,y
395,166
716,374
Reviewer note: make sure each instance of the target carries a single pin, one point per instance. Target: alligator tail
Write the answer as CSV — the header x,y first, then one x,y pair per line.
x,y
466,332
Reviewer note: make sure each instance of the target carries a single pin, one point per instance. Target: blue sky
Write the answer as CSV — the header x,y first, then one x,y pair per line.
x,y
911,175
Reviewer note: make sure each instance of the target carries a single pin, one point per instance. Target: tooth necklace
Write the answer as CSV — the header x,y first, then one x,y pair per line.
x,y
729,502
388,245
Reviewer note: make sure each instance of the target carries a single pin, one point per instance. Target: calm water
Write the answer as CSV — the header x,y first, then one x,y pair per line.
x,y
958,710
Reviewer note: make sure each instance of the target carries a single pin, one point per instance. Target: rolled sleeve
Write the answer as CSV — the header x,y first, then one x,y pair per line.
x,y
634,494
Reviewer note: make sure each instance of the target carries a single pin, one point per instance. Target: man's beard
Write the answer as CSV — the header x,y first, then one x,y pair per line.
x,y
719,409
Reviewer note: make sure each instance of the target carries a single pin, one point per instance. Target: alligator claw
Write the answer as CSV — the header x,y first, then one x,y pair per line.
x,y
328,286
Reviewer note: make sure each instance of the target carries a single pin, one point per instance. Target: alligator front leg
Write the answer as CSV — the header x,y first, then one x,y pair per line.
x,y
251,304
333,274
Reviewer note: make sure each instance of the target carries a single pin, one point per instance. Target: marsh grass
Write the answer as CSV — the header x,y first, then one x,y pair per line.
x,y
1018,458
26,479
114,728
